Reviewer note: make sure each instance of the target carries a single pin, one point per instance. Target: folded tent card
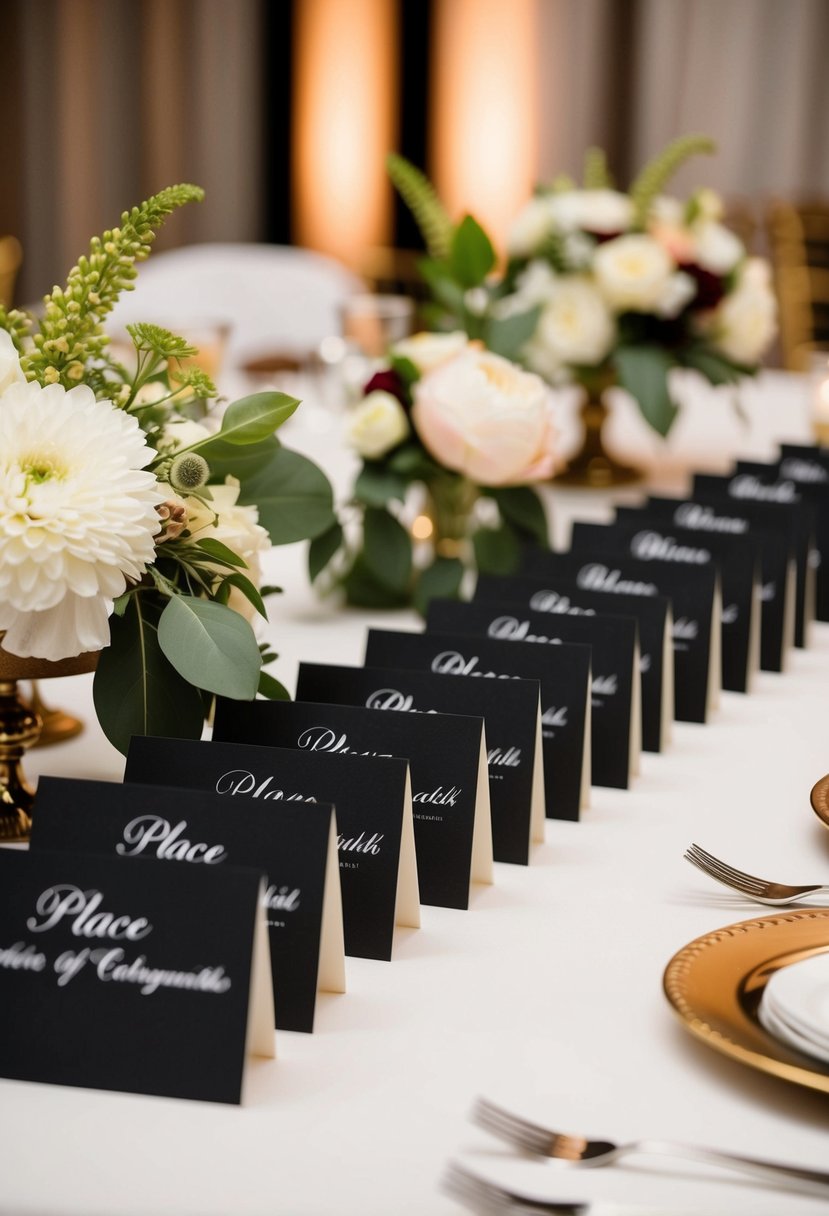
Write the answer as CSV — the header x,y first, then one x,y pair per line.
x,y
447,762
807,466
616,713
564,676
561,596
511,711
736,562
294,844
710,514
131,975
695,603
373,804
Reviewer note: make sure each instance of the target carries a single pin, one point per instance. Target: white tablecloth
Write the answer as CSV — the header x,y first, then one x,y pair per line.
x,y
546,994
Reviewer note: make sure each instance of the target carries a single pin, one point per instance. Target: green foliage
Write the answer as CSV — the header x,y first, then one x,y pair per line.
x,y
364,590
643,371
376,485
322,549
387,550
658,172
210,646
71,328
715,367
497,550
471,255
420,197
271,688
507,335
521,507
596,174
441,580
136,690
294,497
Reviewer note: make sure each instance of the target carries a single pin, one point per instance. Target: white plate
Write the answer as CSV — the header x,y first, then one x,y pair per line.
x,y
795,1005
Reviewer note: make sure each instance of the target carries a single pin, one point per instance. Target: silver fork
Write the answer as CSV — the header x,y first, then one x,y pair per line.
x,y
492,1199
581,1152
758,889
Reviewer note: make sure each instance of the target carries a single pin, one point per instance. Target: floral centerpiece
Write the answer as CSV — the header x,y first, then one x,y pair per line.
x,y
131,521
603,287
465,433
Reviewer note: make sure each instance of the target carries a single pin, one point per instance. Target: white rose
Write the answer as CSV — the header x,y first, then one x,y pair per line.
x,y
535,284
709,204
482,416
151,392
531,227
745,321
716,248
632,272
575,326
10,370
680,289
592,210
667,210
182,432
377,425
223,518
427,350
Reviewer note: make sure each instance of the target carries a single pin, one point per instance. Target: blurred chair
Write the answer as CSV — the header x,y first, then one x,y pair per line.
x,y
277,299
740,217
799,245
11,255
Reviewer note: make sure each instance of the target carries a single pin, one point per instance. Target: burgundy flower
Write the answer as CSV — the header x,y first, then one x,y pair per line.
x,y
388,381
710,286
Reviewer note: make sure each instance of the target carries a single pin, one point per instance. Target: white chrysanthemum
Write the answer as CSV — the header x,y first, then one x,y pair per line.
x,y
77,517
10,370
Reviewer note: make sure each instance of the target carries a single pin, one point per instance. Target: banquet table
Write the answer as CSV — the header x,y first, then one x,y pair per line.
x,y
545,995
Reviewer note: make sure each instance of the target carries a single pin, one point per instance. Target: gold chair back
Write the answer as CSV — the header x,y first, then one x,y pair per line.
x,y
799,245
11,255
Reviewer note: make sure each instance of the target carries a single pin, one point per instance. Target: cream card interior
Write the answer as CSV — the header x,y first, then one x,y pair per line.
x,y
407,899
482,864
331,967
537,807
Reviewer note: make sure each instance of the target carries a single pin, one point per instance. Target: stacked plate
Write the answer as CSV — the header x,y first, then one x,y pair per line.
x,y
795,1006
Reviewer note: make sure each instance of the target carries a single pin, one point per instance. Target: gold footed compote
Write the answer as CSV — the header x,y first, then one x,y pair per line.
x,y
58,725
20,728
593,467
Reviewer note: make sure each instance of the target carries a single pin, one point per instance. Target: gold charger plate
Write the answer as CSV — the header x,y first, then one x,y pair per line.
x,y
715,984
820,800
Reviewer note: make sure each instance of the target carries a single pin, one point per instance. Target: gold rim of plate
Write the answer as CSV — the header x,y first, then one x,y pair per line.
x,y
820,800
715,984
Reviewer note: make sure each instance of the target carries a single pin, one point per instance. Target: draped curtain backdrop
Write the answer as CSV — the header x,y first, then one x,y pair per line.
x,y
117,98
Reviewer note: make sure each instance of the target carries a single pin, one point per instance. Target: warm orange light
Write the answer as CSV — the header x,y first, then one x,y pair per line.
x,y
422,528
486,105
344,106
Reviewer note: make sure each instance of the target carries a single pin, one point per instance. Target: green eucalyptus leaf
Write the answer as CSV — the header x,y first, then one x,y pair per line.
x,y
643,371
521,506
210,646
232,460
271,688
376,485
136,690
215,549
441,580
254,418
322,549
387,549
506,335
497,550
440,281
471,256
247,588
716,368
294,498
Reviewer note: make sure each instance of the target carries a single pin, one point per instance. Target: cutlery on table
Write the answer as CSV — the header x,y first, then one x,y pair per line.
x,y
581,1152
759,889
493,1199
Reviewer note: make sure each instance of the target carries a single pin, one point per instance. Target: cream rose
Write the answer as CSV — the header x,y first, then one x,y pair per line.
x,y
716,248
575,326
744,323
427,350
482,416
224,518
592,210
632,272
533,224
377,425
10,369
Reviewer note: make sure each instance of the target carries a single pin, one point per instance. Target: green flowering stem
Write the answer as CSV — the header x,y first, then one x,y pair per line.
x,y
658,172
71,331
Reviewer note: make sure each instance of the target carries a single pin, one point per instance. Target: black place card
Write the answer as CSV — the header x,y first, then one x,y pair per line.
x,y
708,513
808,467
561,596
133,976
564,674
512,715
758,482
295,845
738,563
694,595
616,717
447,763
372,799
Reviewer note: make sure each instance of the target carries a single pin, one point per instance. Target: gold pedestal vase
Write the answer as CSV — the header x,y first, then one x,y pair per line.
x,y
593,467
20,728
